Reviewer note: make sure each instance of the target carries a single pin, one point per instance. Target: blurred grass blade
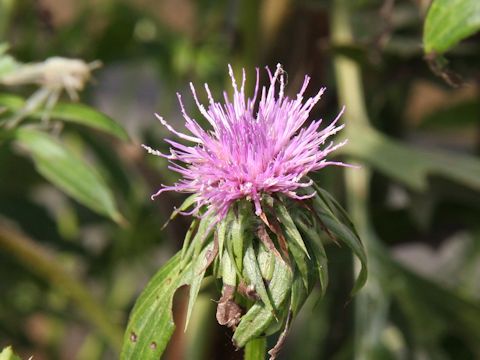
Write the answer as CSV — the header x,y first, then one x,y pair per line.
x,y
448,22
69,112
151,321
70,173
412,165
41,262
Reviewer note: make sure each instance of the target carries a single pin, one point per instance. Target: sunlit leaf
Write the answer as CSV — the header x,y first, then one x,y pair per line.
x,y
197,272
67,171
8,354
151,321
69,112
240,233
291,230
448,22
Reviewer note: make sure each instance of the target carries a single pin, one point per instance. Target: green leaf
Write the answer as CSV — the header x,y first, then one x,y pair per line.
x,y
197,273
70,112
8,354
318,251
222,232
240,233
291,230
298,296
229,272
448,22
254,274
345,233
202,234
258,318
188,237
296,246
151,321
70,173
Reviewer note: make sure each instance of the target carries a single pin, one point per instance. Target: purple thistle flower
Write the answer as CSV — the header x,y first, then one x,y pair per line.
x,y
255,146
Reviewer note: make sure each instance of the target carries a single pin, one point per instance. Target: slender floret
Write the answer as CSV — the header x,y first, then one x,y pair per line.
x,y
255,146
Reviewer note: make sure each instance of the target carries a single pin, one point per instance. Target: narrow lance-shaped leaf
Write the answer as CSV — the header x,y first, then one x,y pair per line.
x,y
343,233
202,233
318,251
296,245
259,317
222,230
240,233
291,230
69,112
67,171
298,295
254,274
195,277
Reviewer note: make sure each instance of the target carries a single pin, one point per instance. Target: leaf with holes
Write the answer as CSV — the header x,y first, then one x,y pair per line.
x,y
151,321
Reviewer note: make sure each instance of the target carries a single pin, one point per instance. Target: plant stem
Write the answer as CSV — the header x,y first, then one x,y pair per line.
x,y
33,256
256,349
371,303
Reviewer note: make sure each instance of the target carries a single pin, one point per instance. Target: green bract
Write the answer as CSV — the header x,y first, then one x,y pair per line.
x,y
266,266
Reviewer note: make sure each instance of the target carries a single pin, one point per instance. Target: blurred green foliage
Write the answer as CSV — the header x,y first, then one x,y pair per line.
x,y
79,237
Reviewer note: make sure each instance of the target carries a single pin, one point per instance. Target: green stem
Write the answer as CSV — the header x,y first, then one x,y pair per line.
x,y
371,304
41,262
6,7
256,349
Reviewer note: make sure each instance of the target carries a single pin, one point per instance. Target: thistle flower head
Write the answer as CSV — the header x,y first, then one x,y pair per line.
x,y
254,146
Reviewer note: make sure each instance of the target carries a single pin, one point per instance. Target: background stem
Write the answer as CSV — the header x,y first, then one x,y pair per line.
x,y
42,263
371,303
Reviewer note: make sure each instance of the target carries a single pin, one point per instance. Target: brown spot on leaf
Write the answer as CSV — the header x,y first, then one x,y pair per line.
x,y
133,337
153,345
168,281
